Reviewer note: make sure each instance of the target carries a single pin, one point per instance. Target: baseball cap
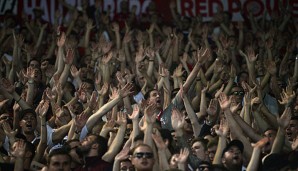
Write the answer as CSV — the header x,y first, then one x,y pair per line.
x,y
236,143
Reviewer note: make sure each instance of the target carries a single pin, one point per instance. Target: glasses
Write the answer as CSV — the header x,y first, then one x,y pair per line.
x,y
238,93
146,155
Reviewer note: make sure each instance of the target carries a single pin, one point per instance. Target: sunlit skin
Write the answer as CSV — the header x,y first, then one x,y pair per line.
x,y
142,164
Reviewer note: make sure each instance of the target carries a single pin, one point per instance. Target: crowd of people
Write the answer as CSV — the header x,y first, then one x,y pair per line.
x,y
133,93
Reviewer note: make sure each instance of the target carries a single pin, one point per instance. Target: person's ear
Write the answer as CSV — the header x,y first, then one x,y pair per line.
x,y
28,154
223,160
167,142
94,146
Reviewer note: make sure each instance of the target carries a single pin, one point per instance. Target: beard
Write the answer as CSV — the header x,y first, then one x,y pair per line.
x,y
83,150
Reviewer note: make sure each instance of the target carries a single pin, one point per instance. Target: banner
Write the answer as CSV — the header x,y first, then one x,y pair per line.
x,y
191,8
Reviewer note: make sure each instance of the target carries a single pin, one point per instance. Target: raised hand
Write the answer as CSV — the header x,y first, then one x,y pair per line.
x,y
251,56
135,113
178,119
261,143
75,72
42,111
115,27
80,120
183,155
163,72
178,71
69,56
104,90
126,90
8,131
120,78
114,93
219,91
89,24
212,109
121,119
93,101
18,149
223,128
224,101
123,154
6,85
61,40
150,113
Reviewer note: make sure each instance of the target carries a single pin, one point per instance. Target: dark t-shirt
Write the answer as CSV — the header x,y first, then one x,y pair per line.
x,y
95,164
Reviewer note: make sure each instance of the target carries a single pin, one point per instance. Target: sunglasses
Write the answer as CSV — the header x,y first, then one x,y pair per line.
x,y
146,155
238,93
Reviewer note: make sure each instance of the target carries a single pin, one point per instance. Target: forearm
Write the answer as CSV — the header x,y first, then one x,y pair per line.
x,y
43,141
116,145
279,141
59,63
163,162
254,160
150,67
103,110
39,40
87,38
222,143
269,116
247,129
192,116
229,85
19,164
295,75
64,75
24,105
148,134
116,165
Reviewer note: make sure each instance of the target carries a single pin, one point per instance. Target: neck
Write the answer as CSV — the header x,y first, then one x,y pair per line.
x,y
29,136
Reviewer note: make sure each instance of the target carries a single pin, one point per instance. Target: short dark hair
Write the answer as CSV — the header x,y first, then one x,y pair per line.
x,y
58,151
139,145
103,142
26,111
201,140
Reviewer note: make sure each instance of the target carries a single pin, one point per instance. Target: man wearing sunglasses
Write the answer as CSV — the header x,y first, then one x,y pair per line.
x,y
142,158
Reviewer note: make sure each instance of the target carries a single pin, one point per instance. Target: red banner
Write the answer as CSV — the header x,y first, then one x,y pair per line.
x,y
205,8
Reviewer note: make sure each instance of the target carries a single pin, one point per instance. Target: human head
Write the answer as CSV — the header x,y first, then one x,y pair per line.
x,y
205,166
292,128
211,148
142,157
199,148
126,165
28,121
270,133
93,145
232,155
71,146
237,92
34,63
153,96
59,160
